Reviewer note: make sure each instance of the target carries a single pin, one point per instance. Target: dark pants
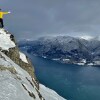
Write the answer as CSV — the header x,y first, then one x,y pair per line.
x,y
1,23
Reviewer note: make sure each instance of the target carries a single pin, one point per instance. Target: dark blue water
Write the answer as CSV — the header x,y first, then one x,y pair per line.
x,y
73,82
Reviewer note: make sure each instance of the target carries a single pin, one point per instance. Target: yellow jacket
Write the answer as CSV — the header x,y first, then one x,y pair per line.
x,y
2,13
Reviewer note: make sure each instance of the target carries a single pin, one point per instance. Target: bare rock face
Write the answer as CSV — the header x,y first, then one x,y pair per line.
x,y
13,53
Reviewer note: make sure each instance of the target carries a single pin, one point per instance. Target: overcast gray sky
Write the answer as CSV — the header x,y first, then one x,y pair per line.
x,y
35,18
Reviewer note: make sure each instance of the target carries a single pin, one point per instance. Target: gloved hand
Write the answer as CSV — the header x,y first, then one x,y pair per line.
x,y
9,12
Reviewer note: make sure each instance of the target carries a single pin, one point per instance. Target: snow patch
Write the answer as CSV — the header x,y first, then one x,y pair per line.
x,y
49,94
80,63
10,88
90,64
83,61
86,37
23,57
56,59
5,41
44,56
66,60
96,62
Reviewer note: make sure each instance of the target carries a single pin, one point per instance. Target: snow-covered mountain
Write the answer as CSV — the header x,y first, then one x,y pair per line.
x,y
65,49
17,77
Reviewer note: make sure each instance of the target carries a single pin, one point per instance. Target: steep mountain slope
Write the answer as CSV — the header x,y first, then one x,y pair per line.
x,y
65,49
17,78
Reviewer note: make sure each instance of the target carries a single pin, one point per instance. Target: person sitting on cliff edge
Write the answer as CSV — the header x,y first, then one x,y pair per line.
x,y
1,18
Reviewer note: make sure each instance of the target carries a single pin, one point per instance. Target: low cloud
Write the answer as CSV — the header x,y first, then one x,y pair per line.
x,y
35,18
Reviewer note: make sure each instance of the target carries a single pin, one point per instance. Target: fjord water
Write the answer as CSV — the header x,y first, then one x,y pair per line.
x,y
73,82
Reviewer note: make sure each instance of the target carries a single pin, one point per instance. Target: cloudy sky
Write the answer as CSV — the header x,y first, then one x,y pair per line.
x,y
35,18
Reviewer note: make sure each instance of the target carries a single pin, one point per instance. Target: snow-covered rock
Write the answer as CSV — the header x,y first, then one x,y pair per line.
x,y
80,63
90,64
23,57
5,40
96,62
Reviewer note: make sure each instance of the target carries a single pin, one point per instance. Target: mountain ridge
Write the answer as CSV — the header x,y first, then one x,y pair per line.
x,y
70,49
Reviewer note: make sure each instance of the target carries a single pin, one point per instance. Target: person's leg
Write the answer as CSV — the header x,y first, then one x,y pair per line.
x,y
2,23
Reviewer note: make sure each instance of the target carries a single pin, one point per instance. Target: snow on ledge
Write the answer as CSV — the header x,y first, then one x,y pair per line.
x,y
23,57
5,41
